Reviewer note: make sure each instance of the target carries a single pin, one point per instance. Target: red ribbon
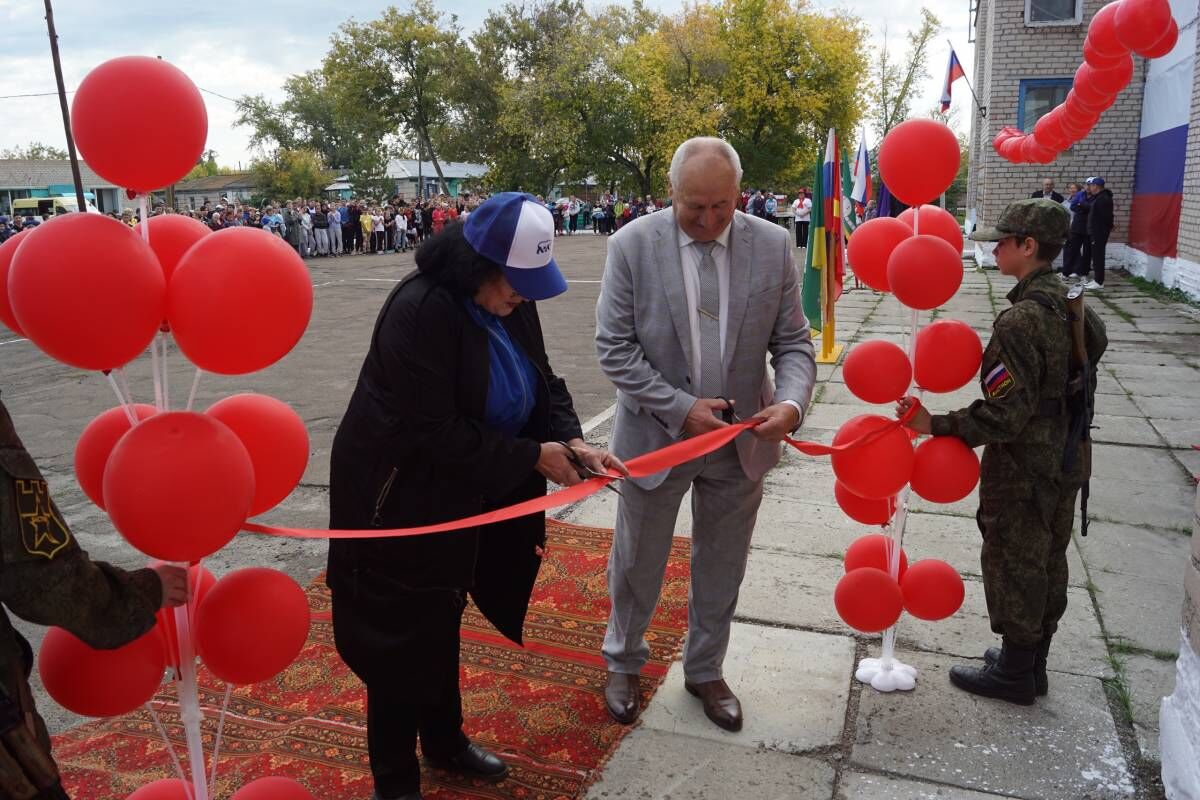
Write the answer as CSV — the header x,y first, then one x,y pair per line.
x,y
640,467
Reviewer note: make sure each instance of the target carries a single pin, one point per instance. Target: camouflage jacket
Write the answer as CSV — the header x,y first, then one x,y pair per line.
x,y
47,579
1024,374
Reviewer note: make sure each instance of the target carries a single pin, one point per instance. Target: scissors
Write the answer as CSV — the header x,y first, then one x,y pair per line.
x,y
585,472
728,415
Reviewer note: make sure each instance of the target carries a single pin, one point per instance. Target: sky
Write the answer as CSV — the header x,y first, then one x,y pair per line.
x,y
230,51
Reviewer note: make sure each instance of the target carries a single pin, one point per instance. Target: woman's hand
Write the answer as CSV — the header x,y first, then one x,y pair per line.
x,y
555,463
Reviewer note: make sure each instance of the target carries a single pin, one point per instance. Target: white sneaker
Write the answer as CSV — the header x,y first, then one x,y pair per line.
x,y
1092,285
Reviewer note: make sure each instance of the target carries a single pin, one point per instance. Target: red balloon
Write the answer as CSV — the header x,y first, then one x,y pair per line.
x,y
166,789
945,470
871,245
200,582
873,550
251,625
932,589
1034,152
87,290
1006,133
7,251
179,486
96,444
1141,23
1077,107
1112,81
925,272
878,468
860,509
936,221
1099,60
139,122
1011,149
274,788
1085,88
868,600
1164,45
1102,32
918,160
239,301
100,683
275,438
172,235
877,371
1049,132
947,356
1077,121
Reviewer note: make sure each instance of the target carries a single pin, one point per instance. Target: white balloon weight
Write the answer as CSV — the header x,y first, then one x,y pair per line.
x,y
886,675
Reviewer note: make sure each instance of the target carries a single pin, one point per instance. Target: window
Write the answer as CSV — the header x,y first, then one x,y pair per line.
x,y
1053,12
1037,96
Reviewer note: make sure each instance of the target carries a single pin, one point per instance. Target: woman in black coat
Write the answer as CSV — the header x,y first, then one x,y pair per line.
x,y
457,411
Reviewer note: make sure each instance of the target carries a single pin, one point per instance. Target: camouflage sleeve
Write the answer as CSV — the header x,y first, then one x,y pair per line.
x,y
1012,369
47,579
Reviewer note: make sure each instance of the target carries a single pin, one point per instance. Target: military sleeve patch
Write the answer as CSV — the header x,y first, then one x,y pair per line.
x,y
999,382
43,532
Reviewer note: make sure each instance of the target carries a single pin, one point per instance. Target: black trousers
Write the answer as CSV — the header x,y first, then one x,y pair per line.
x,y
1077,254
801,234
1098,244
404,647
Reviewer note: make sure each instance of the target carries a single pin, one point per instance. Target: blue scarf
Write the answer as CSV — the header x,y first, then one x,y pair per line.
x,y
512,377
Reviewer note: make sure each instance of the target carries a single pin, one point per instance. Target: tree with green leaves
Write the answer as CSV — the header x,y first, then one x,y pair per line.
x,y
290,173
894,84
34,151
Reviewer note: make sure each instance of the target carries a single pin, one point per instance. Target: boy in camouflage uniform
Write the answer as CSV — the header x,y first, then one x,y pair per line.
x,y
47,579
1029,475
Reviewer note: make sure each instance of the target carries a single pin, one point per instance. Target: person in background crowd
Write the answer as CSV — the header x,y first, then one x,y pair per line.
x,y
335,230
379,243
1077,255
802,211
1047,192
400,223
320,222
758,205
573,208
770,206
1100,225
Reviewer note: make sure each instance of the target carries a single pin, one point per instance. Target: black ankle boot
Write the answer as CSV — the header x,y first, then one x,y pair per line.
x,y
1009,678
1040,682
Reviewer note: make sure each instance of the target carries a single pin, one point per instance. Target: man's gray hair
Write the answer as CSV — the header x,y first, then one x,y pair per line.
x,y
703,144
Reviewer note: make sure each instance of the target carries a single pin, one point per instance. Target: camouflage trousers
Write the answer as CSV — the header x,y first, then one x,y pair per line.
x,y
1026,528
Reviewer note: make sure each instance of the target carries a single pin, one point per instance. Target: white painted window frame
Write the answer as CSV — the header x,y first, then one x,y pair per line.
x,y
1077,20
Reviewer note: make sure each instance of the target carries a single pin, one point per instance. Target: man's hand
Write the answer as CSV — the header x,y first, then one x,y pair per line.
x,y
781,419
174,584
555,463
702,417
921,422
597,460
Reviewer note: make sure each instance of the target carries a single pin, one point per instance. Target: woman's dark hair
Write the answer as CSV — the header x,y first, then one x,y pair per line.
x,y
451,261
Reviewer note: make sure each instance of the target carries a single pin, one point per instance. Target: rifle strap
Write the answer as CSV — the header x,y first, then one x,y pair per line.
x,y
1084,491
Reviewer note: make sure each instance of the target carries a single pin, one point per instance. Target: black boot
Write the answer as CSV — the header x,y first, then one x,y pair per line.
x,y
1009,678
1040,682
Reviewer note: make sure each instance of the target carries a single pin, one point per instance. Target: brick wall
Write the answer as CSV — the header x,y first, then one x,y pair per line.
x,y
1007,51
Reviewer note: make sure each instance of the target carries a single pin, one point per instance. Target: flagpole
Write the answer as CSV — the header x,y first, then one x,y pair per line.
x,y
982,108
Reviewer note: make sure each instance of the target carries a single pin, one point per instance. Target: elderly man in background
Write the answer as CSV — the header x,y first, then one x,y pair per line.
x,y
692,302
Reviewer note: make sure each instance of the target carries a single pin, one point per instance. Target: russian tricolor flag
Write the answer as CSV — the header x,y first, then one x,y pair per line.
x,y
954,71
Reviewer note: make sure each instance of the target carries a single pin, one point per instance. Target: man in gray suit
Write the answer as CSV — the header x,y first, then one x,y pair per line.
x,y
692,302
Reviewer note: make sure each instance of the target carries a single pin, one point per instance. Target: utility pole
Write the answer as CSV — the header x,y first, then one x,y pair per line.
x,y
66,114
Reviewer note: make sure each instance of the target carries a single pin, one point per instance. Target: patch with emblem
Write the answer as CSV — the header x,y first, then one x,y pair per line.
x,y
998,382
43,533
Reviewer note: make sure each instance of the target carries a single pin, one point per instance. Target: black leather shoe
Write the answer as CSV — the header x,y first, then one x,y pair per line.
x,y
409,796
1041,682
1010,678
474,761
621,695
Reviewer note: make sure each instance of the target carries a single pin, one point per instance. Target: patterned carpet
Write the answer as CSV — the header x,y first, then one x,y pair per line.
x,y
542,708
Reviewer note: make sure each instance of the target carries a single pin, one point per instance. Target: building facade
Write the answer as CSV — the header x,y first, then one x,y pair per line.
x,y
1026,54
21,178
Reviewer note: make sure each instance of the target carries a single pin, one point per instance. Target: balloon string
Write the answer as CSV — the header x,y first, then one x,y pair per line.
x,y
158,390
162,731
212,776
121,398
639,467
166,380
189,700
123,378
195,386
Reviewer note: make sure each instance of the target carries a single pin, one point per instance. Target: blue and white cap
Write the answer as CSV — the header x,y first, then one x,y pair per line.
x,y
517,232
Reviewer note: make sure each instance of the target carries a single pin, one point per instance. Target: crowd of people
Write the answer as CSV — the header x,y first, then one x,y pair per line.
x,y
1090,206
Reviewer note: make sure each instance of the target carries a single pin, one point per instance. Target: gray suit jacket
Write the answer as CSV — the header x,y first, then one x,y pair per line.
x,y
644,342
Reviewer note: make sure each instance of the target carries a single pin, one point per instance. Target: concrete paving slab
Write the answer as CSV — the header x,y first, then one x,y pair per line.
x,y
1149,387
1124,430
857,785
1163,408
834,415
1149,681
652,764
1190,458
1135,551
791,590
1118,405
1162,505
1134,608
805,528
1178,432
1151,370
1063,748
793,686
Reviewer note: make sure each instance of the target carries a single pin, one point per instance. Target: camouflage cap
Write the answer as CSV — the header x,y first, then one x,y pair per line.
x,y
1042,220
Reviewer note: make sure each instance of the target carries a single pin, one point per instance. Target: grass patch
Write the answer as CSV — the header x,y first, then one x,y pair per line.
x,y
1113,307
1123,647
1162,293
1119,685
